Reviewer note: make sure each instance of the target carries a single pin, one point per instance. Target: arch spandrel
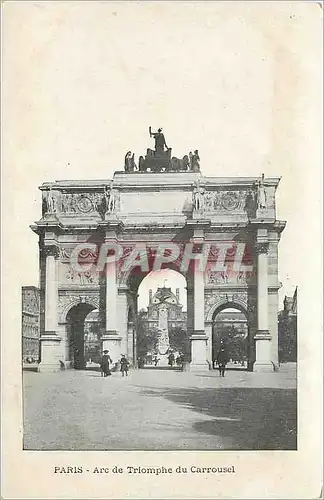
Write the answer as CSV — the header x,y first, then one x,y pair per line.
x,y
68,301
217,300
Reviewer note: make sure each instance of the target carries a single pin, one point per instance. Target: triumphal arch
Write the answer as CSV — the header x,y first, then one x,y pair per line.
x,y
99,239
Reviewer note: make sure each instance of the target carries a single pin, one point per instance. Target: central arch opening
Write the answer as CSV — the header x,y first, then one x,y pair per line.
x,y
162,338
230,331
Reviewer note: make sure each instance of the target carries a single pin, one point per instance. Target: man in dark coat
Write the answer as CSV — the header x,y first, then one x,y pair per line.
x,y
222,360
171,359
124,365
104,364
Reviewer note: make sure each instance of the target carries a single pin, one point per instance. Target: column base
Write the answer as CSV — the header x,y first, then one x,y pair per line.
x,y
263,367
199,367
49,367
199,361
263,361
50,354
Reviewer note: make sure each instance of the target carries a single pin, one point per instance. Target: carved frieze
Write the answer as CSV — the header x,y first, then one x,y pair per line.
x,y
225,277
84,203
233,200
71,276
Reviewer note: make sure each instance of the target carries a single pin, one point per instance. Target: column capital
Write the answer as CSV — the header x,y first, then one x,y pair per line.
x,y
51,250
261,247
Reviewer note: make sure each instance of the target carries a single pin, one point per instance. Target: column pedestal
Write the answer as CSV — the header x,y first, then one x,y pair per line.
x,y
263,352
50,353
199,362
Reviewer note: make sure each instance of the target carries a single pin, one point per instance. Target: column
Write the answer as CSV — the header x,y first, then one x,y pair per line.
x,y
111,340
130,342
199,338
122,308
262,338
50,341
209,333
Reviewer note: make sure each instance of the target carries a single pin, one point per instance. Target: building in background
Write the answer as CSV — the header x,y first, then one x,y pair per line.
x,y
30,323
177,318
287,329
164,303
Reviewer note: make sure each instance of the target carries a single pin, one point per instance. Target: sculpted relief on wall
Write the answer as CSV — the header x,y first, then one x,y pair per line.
x,y
87,203
70,276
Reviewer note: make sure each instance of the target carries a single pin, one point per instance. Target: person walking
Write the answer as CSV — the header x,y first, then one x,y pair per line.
x,y
124,365
105,364
171,359
222,360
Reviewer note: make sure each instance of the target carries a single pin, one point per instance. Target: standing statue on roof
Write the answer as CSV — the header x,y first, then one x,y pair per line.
x,y
261,194
159,140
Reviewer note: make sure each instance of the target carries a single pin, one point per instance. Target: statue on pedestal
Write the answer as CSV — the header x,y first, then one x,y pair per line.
x,y
129,162
198,197
261,196
109,200
49,203
194,161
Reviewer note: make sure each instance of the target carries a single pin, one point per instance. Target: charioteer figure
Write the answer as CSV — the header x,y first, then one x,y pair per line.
x,y
159,140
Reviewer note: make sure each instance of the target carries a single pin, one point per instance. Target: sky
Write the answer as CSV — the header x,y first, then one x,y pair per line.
x,y
83,81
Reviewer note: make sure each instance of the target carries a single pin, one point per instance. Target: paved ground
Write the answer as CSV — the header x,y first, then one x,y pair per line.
x,y
160,410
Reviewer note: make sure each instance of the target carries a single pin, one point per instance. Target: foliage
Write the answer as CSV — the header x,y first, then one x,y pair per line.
x,y
179,340
233,341
287,336
147,339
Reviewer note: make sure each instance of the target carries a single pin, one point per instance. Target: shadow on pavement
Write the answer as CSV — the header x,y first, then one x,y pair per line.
x,y
255,419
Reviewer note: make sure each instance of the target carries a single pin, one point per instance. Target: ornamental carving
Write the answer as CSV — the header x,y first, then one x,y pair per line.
x,y
225,200
261,247
84,255
90,277
83,203
50,250
230,201
214,299
69,300
224,277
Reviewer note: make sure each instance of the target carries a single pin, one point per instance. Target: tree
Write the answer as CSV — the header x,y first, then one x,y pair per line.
x,y
147,339
179,340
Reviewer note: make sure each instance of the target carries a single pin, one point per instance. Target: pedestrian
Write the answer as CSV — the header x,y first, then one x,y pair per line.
x,y
171,359
156,360
222,360
104,364
124,365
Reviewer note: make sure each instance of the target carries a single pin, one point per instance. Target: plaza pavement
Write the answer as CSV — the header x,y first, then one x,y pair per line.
x,y
160,410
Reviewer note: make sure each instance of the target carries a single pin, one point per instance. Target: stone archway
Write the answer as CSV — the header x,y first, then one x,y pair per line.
x,y
232,332
75,346
69,322
148,209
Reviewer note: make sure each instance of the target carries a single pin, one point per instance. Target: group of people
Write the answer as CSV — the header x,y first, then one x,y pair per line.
x,y
106,363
